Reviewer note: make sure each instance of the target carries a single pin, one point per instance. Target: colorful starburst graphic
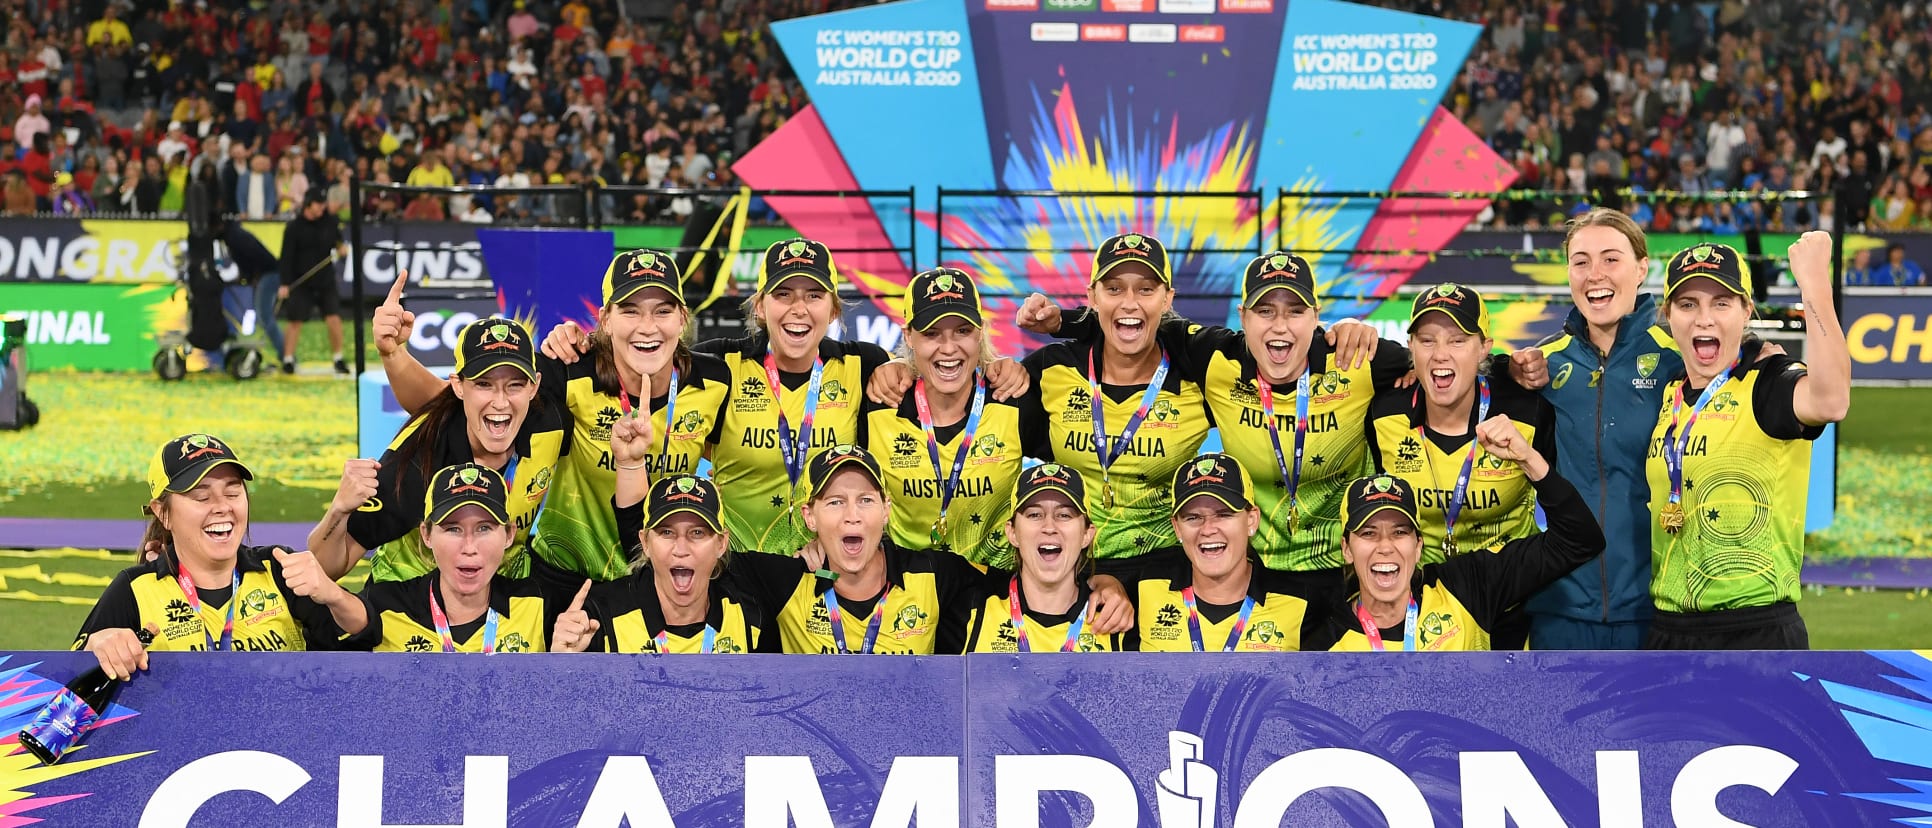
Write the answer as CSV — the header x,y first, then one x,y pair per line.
x,y
22,694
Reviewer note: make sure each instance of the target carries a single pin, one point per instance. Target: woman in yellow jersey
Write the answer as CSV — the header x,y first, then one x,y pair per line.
x,y
206,590
463,605
1216,596
1731,452
488,413
1427,436
638,357
794,393
1121,411
679,597
1047,606
1287,395
1400,601
950,449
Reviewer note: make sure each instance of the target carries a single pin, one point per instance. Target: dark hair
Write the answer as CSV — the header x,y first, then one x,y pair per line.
x,y
604,354
420,449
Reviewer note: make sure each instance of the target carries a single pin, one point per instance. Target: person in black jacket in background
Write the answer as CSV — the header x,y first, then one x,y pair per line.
x,y
312,239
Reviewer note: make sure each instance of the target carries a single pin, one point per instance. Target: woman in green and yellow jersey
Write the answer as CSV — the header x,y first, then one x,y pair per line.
x,y
1289,396
638,358
1121,410
1399,601
950,450
682,595
205,589
1469,500
1731,452
1216,595
794,393
488,413
464,604
1048,605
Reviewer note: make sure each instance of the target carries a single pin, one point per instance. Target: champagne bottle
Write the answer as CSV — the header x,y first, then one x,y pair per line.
x,y
65,720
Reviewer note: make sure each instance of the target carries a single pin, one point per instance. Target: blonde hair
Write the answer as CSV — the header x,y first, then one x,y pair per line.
x,y
1613,219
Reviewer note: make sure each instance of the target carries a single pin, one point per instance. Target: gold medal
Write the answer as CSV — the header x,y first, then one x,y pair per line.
x,y
1449,546
1671,517
1293,513
1107,495
939,531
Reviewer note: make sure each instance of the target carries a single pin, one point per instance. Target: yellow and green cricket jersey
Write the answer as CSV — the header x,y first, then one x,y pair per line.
x,y
1057,419
400,620
747,462
1500,503
977,516
990,628
631,619
391,519
577,532
268,617
1335,449
1745,473
1460,600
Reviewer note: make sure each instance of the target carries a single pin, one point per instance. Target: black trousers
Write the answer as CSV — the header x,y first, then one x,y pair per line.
x,y
1776,627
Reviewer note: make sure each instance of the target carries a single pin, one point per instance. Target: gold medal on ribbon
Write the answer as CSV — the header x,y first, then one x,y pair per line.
x,y
1671,517
1292,514
1449,546
939,531
1107,495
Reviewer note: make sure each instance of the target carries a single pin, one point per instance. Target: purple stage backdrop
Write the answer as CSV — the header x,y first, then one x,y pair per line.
x,y
1533,739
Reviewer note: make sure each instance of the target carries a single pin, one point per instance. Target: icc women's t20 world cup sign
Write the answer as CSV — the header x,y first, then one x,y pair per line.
x,y
1171,96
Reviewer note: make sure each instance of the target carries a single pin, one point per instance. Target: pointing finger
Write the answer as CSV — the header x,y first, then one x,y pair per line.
x,y
396,288
577,604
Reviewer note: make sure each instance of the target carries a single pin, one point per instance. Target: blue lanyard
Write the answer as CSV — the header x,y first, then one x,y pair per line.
x,y
670,422
837,617
441,621
1194,622
1110,449
1292,479
794,445
1674,445
1460,496
949,486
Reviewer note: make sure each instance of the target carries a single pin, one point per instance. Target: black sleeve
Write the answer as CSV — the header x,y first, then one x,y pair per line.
x,y
318,624
553,383
1775,397
870,357
962,588
1391,363
290,242
715,347
1034,440
1131,571
1488,584
630,527
115,609
396,477
1078,324
1194,347
766,578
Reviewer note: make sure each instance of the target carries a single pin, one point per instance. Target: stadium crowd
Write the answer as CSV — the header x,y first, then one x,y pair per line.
x,y
104,104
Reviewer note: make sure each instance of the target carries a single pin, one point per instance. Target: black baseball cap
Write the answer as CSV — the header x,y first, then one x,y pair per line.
x,y
684,493
466,484
1131,248
492,341
183,461
941,292
1377,493
1280,270
635,270
829,461
1461,304
1218,476
1720,263
797,257
1051,477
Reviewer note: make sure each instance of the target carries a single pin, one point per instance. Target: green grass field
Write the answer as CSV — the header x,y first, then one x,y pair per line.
x,y
89,457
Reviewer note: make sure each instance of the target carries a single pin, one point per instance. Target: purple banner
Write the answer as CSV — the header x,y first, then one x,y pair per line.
x,y
1624,739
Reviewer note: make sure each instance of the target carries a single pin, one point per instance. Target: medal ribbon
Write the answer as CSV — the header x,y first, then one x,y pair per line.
x,y
837,617
710,643
1460,496
1019,621
1290,478
949,486
1674,446
1194,622
187,584
1374,632
794,445
442,625
1104,447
